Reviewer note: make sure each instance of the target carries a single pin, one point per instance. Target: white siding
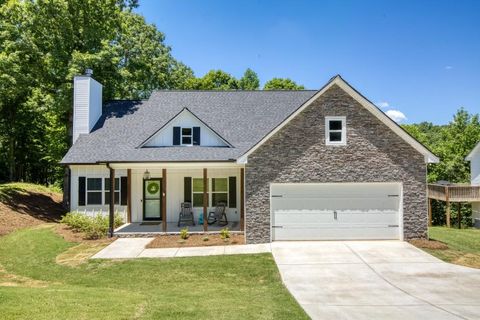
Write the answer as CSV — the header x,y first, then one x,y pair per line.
x,y
475,168
185,119
87,104
92,171
476,210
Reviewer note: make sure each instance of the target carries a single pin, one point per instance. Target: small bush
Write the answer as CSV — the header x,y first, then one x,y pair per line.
x,y
78,222
94,227
184,234
205,239
225,234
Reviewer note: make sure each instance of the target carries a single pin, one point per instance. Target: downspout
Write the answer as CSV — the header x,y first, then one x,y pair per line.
x,y
111,207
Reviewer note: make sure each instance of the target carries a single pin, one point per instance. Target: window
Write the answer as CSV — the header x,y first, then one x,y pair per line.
x,y
335,131
186,136
197,189
219,191
107,190
94,191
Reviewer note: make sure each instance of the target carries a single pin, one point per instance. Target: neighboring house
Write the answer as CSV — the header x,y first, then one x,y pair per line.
x,y
290,165
474,158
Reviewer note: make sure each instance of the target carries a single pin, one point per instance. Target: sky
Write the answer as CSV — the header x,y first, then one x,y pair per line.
x,y
418,60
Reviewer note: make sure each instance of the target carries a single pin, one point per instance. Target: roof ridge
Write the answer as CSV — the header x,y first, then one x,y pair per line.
x,y
232,90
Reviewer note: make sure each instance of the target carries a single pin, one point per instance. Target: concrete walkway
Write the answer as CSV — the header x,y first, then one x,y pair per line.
x,y
128,248
376,280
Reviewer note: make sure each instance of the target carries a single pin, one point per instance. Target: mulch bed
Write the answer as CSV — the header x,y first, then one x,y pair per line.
x,y
70,236
429,244
195,240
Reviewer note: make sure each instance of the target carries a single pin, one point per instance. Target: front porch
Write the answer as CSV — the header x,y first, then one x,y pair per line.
x,y
156,193
141,229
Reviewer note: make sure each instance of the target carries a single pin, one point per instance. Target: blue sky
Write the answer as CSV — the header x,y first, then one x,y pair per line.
x,y
421,58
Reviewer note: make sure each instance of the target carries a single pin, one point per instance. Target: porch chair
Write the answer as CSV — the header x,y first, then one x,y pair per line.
x,y
186,214
218,216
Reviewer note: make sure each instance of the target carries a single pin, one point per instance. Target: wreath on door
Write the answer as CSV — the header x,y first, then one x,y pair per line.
x,y
153,188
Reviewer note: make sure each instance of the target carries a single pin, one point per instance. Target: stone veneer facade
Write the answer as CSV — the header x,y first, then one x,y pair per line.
x,y
298,153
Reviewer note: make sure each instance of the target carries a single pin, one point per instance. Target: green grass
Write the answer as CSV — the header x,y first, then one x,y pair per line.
x,y
7,189
221,287
463,245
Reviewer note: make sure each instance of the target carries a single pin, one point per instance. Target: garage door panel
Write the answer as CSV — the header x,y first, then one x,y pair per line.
x,y
308,217
335,211
336,233
375,217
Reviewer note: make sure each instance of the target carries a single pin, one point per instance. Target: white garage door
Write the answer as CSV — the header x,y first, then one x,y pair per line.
x,y
336,211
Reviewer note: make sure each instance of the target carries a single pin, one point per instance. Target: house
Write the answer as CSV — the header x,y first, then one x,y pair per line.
x,y
474,158
290,165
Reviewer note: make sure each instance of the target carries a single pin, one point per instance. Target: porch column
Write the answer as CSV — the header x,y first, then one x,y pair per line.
x,y
164,200
429,212
459,215
205,200
112,202
242,199
129,195
447,199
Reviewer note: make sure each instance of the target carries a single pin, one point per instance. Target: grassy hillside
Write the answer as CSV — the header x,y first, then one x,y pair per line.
x,y
25,204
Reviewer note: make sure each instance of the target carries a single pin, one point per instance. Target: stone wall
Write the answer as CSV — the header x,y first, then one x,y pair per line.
x,y
298,153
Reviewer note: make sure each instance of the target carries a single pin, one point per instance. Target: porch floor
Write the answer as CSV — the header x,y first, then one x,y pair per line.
x,y
148,228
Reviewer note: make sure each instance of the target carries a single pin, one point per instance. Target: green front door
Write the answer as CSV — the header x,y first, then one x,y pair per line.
x,y
152,199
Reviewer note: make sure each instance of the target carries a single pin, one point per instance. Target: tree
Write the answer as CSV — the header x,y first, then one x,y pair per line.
x,y
282,84
213,80
249,81
451,143
43,44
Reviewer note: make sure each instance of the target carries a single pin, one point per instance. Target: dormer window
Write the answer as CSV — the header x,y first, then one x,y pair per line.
x,y
187,136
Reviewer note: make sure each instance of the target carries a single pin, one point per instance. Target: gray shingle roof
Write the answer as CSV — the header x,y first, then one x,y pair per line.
x,y
242,118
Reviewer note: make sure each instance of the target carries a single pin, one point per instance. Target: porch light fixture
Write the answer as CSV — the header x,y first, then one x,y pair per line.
x,y
146,175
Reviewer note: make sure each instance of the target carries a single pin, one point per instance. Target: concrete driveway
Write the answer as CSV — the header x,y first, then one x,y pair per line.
x,y
376,280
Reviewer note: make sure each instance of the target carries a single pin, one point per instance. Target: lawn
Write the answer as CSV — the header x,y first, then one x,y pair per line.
x,y
463,245
34,286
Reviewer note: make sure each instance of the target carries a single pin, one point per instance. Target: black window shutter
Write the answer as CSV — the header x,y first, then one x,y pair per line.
x,y
187,189
232,192
81,191
176,136
123,191
196,136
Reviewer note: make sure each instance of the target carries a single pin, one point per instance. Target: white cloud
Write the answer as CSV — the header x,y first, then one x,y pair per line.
x,y
448,67
383,104
396,115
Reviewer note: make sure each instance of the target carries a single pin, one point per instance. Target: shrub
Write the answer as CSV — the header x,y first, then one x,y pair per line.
x,y
184,234
205,239
78,222
95,227
225,233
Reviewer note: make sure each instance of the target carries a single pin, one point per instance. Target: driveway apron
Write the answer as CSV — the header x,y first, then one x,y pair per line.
x,y
376,280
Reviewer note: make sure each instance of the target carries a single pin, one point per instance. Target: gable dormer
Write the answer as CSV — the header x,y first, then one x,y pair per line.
x,y
186,130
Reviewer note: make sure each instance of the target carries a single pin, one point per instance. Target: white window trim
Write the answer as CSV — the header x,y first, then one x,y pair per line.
x,y
190,135
210,191
343,142
87,191
218,192
106,188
